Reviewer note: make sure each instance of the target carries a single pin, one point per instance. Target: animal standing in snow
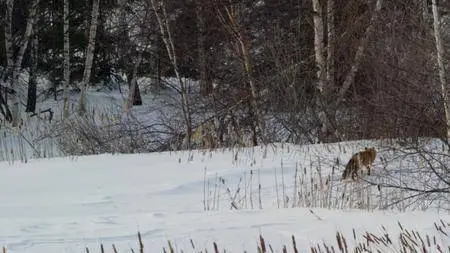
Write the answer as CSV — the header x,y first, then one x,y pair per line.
x,y
358,162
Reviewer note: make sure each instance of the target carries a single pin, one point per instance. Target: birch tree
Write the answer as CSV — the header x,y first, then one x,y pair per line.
x,y
17,61
350,77
162,19
229,16
441,65
325,68
66,57
89,57
319,53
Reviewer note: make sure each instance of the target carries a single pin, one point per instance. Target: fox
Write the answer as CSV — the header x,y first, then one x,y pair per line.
x,y
359,160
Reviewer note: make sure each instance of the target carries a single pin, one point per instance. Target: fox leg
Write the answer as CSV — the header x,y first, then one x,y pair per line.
x,y
355,174
358,167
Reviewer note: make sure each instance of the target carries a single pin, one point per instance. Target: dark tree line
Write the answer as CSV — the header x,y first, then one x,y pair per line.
x,y
256,61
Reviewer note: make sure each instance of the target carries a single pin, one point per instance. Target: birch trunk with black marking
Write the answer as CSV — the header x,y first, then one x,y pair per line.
x,y
321,65
440,60
66,64
15,101
32,83
319,45
166,35
89,57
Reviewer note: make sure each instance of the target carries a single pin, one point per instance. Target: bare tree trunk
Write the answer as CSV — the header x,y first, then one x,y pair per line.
x,y
8,38
425,11
9,56
15,110
123,34
258,120
163,23
350,78
89,56
440,60
230,21
322,67
205,83
319,45
134,88
131,70
331,43
325,70
32,84
66,58
124,48
124,58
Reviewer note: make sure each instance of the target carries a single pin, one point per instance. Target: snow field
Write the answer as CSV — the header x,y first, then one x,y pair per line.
x,y
67,204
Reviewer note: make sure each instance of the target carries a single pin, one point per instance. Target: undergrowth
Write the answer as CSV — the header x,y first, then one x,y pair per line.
x,y
406,241
400,181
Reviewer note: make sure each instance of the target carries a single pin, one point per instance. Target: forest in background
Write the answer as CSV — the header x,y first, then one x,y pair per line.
x,y
323,70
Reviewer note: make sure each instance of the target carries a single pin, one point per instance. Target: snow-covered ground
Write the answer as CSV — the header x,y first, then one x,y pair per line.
x,y
227,196
67,204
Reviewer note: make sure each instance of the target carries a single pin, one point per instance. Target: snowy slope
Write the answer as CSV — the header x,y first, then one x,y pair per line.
x,y
67,204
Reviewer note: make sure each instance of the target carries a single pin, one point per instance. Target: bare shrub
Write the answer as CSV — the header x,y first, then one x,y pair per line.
x,y
105,133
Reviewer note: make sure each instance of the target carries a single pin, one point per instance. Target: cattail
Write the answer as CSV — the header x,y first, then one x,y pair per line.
x,y
216,249
294,244
114,248
262,244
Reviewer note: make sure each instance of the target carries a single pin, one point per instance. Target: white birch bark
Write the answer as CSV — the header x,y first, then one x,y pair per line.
x,y
89,57
15,110
66,58
319,52
319,44
441,65
163,23
350,78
